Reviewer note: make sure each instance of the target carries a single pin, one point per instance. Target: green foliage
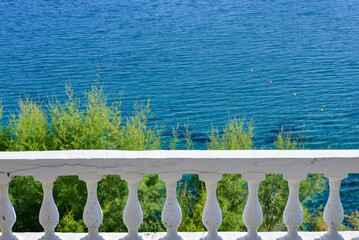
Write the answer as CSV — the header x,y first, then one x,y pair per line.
x,y
67,123
68,224
152,194
28,132
29,129
187,136
174,140
232,194
273,192
232,191
96,125
67,127
235,136
353,220
96,120
136,133
26,197
314,220
286,143
4,134
70,196
192,198
112,194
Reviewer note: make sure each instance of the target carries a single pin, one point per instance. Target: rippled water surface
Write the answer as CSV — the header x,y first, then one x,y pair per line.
x,y
193,59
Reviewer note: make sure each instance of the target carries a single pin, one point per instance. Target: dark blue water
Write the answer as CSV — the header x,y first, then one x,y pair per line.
x,y
193,59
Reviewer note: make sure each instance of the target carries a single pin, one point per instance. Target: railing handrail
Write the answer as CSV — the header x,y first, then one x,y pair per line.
x,y
114,162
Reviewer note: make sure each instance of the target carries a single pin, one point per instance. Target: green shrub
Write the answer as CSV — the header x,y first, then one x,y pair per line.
x,y
96,125
4,134
29,130
67,123
353,220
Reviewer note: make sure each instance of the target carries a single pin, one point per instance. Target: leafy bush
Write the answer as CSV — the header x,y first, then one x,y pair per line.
x,y
4,134
29,130
96,125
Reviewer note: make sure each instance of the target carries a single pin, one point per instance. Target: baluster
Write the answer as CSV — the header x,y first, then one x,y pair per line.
x,y
92,215
7,212
333,211
171,213
132,216
49,215
252,215
212,215
293,213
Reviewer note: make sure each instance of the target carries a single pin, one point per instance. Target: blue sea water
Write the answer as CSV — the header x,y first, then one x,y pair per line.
x,y
199,60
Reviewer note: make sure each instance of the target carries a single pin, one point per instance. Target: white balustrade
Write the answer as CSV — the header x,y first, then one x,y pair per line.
x,y
252,215
212,214
293,213
171,213
90,165
49,215
92,215
7,212
132,215
333,211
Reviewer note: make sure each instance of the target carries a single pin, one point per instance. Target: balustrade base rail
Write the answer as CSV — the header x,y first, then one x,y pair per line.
x,y
349,235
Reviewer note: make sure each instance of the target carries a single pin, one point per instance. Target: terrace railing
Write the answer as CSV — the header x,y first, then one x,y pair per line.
x,y
90,165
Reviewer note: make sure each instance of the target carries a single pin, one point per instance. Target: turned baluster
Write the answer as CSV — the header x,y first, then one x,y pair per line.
x,y
252,215
333,211
7,212
212,215
49,215
132,216
293,213
171,213
92,215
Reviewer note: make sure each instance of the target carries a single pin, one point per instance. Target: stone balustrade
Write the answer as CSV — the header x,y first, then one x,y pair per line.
x,y
90,165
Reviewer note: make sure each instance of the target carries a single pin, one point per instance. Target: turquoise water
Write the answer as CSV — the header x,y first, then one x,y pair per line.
x,y
193,59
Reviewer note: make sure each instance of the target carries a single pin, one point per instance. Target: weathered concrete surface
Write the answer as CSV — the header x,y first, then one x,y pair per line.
x,y
336,163
350,235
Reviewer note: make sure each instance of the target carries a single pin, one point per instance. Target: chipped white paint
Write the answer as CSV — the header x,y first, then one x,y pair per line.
x,y
132,215
333,211
49,215
171,213
252,215
293,213
212,214
92,215
7,212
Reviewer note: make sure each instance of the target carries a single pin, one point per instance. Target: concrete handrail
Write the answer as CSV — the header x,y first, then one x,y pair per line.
x,y
109,162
